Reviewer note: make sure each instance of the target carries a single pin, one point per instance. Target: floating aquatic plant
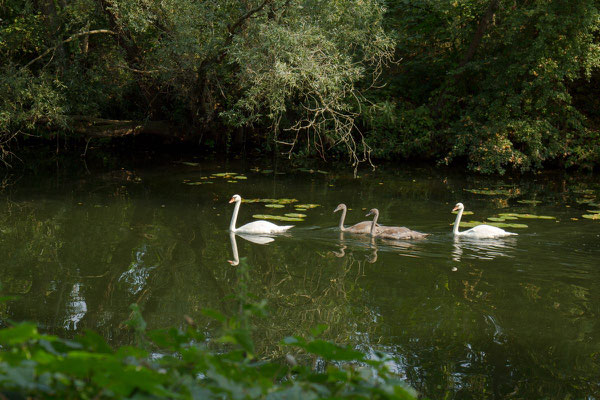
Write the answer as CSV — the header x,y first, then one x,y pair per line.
x,y
594,211
307,206
271,205
591,216
526,216
295,215
532,202
464,212
491,192
274,201
471,224
277,217
496,219
225,174
198,183
188,163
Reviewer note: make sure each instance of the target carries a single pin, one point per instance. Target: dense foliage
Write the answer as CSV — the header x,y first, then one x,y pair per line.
x,y
501,82
183,363
498,83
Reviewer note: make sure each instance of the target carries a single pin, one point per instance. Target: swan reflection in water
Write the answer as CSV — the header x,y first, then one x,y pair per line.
x,y
483,249
370,258
251,238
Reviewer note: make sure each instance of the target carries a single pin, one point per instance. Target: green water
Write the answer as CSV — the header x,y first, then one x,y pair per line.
x,y
506,318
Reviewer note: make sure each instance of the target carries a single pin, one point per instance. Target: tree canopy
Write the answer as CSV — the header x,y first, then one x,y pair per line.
x,y
498,84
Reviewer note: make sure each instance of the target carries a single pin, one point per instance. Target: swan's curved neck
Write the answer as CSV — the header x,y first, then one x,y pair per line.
x,y
374,223
342,219
457,222
234,216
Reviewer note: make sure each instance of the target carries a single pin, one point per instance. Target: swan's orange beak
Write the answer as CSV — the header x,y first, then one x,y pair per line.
x,y
455,208
231,200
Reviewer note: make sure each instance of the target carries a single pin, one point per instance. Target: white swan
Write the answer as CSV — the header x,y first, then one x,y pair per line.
x,y
479,231
253,228
392,232
361,227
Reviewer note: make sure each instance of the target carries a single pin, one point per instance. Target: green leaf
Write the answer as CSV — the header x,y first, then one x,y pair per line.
x,y
591,216
276,217
526,216
19,333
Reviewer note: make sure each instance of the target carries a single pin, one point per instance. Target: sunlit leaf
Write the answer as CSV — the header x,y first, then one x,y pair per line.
x,y
471,224
491,192
295,215
307,206
271,205
591,216
526,216
532,202
276,217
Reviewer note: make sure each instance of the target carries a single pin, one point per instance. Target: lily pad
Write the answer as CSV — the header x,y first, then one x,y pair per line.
x,y
274,205
490,192
307,206
532,202
295,215
322,172
526,216
197,183
591,216
240,177
231,181
496,219
224,174
300,209
464,212
276,217
471,224
584,201
594,211
274,201
188,163
583,191
266,171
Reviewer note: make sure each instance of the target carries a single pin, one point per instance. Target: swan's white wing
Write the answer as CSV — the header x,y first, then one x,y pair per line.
x,y
262,227
486,231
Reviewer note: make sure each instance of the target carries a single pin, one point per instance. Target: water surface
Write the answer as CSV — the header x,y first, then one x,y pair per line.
x,y
506,318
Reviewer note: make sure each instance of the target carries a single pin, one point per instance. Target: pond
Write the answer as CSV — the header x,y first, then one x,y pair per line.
x,y
515,317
